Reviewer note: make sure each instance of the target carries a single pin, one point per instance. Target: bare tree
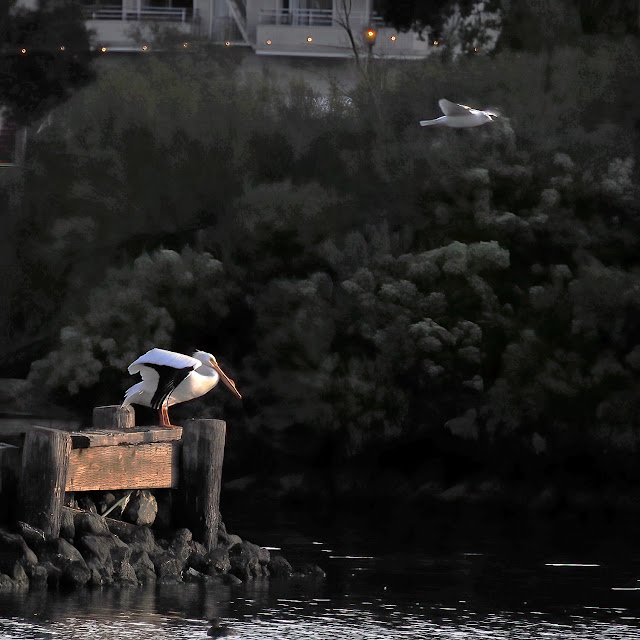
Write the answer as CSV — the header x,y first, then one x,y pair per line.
x,y
344,20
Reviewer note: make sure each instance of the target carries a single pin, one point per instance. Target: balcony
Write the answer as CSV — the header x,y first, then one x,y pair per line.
x,y
120,12
314,18
114,25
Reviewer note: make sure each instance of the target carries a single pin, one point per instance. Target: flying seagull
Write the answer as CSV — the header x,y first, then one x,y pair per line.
x,y
459,116
169,378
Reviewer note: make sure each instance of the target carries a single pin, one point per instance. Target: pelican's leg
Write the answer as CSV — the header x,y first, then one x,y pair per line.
x,y
164,416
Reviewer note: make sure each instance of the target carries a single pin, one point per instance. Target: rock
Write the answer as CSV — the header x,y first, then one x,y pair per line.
x,y
142,538
121,554
198,547
101,572
162,543
143,566
61,553
197,561
279,567
310,571
217,561
6,583
233,540
98,546
53,573
230,579
106,501
20,578
67,525
75,574
96,579
14,549
87,504
198,557
191,575
244,561
91,524
142,509
37,576
33,536
168,568
223,536
123,572
263,555
181,545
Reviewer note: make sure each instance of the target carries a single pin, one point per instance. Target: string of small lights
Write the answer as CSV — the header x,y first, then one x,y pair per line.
x,y
369,37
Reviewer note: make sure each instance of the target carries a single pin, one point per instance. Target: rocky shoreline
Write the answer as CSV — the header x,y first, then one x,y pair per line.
x,y
97,551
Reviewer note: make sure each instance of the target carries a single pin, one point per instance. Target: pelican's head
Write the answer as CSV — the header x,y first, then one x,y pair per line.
x,y
209,360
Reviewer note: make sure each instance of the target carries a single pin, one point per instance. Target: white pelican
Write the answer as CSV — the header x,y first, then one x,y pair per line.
x,y
459,116
169,378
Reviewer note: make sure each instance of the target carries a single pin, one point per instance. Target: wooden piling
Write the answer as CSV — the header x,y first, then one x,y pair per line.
x,y
9,473
114,416
43,476
201,477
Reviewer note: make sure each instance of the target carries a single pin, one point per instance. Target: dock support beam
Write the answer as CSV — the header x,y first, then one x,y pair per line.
x,y
201,477
43,476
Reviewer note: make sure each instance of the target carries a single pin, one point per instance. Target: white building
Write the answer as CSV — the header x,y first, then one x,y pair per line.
x,y
314,28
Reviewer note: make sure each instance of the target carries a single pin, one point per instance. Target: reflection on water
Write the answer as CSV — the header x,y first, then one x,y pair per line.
x,y
470,584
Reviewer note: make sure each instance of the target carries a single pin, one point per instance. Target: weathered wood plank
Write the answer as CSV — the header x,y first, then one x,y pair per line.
x,y
141,466
201,477
111,437
45,460
114,416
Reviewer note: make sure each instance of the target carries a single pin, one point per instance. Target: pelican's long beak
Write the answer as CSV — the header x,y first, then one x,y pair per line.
x,y
225,378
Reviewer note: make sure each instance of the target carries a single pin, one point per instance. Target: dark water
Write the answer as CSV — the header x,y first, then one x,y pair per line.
x,y
461,577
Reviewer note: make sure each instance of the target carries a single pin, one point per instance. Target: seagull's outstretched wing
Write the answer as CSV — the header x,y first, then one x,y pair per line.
x,y
162,357
452,109
438,122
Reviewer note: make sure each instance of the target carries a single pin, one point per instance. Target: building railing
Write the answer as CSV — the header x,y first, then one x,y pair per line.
x,y
119,12
314,17
297,17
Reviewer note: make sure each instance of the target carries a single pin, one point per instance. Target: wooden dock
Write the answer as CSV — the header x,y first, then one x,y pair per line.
x,y
115,454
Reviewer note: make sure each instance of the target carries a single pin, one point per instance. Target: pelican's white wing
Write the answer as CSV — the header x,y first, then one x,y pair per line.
x,y
452,109
164,358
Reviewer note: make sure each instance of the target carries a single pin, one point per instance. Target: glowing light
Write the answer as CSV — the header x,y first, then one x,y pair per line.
x,y
23,51
103,49
475,49
144,47
227,44
393,38
435,43
309,39
62,48
185,45
371,33
268,41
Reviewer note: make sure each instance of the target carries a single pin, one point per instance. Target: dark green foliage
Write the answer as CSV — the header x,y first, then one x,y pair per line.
x,y
468,295
422,15
56,60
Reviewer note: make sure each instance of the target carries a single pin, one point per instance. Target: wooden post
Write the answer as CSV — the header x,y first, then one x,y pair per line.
x,y
201,477
114,416
45,459
9,473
